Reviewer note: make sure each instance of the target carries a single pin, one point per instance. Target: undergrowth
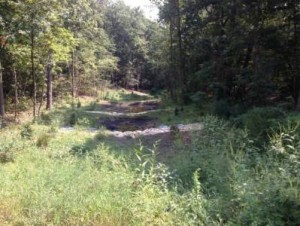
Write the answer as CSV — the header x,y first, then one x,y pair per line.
x,y
48,184
222,177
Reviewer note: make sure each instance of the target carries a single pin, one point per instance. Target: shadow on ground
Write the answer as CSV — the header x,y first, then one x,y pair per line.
x,y
165,145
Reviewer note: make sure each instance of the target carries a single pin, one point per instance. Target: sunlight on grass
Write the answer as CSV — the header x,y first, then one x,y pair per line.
x,y
57,186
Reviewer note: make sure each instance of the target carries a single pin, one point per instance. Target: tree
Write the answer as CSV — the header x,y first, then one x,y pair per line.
x,y
240,51
171,14
57,44
36,18
134,37
2,110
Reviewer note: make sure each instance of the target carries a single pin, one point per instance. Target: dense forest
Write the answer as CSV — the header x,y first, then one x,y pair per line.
x,y
60,47
110,118
242,53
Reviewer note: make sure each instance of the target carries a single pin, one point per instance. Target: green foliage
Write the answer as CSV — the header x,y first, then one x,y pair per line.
x,y
84,121
80,119
26,131
261,121
73,118
6,153
93,105
244,185
225,53
139,47
45,118
78,104
174,131
6,157
98,188
269,192
43,140
220,178
221,108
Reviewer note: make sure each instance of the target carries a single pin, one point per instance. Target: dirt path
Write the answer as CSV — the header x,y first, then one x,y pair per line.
x,y
129,124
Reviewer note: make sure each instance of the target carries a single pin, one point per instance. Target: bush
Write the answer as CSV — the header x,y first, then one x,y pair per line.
x,y
199,98
83,121
261,121
93,105
6,155
174,132
73,118
26,131
78,104
43,140
269,193
221,108
45,118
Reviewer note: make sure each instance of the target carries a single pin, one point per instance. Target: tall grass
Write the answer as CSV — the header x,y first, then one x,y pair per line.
x,y
243,184
221,178
45,186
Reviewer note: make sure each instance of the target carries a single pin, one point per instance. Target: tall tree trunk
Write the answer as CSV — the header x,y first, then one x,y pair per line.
x,y
180,58
298,103
33,72
49,84
16,92
73,74
42,98
176,52
95,85
172,69
2,109
296,51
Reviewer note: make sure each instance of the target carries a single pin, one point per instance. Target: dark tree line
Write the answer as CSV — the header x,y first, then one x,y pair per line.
x,y
240,51
236,51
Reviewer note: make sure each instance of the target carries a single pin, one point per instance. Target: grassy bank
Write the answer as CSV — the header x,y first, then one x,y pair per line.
x,y
224,175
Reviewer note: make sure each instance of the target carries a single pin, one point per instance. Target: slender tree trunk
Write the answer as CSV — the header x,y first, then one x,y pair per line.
x,y
42,98
95,86
180,58
2,109
33,72
172,80
296,52
16,92
298,103
49,87
73,74
111,78
176,52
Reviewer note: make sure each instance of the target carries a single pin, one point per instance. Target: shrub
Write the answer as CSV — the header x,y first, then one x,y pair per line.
x,y
6,157
174,131
101,136
45,118
53,129
80,150
78,104
73,118
43,140
199,98
26,131
83,121
93,105
261,121
221,108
